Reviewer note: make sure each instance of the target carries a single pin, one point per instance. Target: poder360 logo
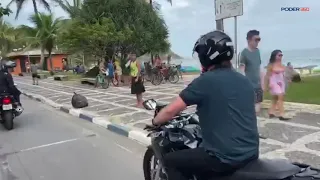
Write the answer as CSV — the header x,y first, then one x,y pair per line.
x,y
303,9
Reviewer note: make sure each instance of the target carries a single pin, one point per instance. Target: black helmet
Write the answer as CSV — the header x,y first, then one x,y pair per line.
x,y
6,64
213,48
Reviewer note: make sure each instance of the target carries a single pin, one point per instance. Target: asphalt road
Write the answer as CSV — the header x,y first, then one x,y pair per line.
x,y
48,145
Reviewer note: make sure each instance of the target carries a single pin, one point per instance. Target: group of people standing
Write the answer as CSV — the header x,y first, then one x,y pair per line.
x,y
274,80
113,67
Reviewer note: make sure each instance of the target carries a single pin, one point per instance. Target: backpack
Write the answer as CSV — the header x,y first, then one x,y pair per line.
x,y
79,101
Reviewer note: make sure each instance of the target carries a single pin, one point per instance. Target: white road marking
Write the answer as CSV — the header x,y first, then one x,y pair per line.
x,y
122,147
47,145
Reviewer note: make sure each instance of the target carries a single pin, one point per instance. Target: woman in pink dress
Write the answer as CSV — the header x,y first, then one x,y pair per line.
x,y
275,82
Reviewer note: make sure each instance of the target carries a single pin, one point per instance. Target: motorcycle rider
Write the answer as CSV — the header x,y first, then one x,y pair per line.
x,y
6,81
225,106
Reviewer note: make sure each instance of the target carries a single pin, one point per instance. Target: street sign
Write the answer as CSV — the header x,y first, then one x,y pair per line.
x,y
228,8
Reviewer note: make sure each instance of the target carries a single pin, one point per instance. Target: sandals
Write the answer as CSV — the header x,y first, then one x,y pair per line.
x,y
280,117
272,116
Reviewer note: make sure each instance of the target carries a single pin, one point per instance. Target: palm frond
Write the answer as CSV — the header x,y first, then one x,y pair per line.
x,y
46,5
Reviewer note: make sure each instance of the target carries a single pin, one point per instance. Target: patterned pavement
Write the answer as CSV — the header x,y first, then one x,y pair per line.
x,y
297,139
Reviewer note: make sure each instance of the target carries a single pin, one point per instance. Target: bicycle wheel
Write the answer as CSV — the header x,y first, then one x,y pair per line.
x,y
97,82
146,77
173,78
156,79
105,83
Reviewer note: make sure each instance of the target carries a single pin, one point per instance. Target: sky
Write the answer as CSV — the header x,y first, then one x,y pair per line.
x,y
187,20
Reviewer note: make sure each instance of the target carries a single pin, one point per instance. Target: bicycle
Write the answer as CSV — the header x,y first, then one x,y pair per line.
x,y
102,80
168,74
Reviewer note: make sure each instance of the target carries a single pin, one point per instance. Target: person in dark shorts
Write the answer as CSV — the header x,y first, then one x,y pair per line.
x,y
250,62
34,74
137,86
226,114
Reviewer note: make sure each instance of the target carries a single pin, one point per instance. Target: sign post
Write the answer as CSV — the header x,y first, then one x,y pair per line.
x,y
226,9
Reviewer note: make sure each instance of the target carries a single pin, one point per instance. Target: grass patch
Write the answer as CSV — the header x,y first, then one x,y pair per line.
x,y
316,71
306,91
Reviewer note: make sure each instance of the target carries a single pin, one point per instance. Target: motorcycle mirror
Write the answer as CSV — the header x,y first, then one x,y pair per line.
x,y
150,104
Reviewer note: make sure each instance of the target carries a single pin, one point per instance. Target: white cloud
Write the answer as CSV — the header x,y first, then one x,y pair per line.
x,y
180,3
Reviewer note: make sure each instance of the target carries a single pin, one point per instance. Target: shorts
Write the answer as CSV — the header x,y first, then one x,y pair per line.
x,y
258,93
35,75
137,87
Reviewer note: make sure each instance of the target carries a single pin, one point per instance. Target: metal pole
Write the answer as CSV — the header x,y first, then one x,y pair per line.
x,y
236,41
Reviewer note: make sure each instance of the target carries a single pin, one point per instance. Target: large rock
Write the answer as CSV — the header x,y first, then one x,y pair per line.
x,y
92,73
296,78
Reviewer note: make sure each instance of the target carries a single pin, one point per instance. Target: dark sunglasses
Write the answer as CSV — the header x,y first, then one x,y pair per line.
x,y
280,55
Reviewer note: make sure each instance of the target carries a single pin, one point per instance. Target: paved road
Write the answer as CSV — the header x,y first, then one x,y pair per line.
x,y
48,145
297,139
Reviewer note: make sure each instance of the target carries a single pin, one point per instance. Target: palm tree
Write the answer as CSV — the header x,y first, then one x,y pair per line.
x,y
20,4
8,37
43,33
72,10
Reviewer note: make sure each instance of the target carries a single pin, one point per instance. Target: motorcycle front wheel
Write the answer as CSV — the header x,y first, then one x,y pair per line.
x,y
151,168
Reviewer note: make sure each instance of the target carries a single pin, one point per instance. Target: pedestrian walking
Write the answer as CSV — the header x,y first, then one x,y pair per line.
x,y
118,69
137,86
34,73
250,62
275,82
289,71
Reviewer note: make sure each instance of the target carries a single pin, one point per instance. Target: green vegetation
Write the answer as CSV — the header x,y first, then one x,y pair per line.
x,y
42,34
96,30
4,11
306,91
21,4
316,71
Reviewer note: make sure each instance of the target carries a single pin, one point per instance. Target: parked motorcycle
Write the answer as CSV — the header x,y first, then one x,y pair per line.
x,y
9,109
184,132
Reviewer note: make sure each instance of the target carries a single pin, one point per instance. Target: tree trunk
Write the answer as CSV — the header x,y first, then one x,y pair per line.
x,y
42,59
50,62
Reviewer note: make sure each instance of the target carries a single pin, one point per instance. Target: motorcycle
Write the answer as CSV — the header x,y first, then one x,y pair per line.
x,y
184,132
9,109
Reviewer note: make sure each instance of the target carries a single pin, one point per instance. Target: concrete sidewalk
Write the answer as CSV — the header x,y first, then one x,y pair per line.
x,y
113,108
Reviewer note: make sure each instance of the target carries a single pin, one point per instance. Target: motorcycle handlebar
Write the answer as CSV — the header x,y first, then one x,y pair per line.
x,y
174,123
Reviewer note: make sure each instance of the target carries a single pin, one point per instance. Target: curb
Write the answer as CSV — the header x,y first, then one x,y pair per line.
x,y
137,135
295,104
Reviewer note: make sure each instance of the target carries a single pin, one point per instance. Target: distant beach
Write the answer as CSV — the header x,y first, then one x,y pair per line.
x,y
298,58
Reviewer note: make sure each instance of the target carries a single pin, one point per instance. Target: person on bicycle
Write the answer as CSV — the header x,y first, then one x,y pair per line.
x,y
225,106
110,69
